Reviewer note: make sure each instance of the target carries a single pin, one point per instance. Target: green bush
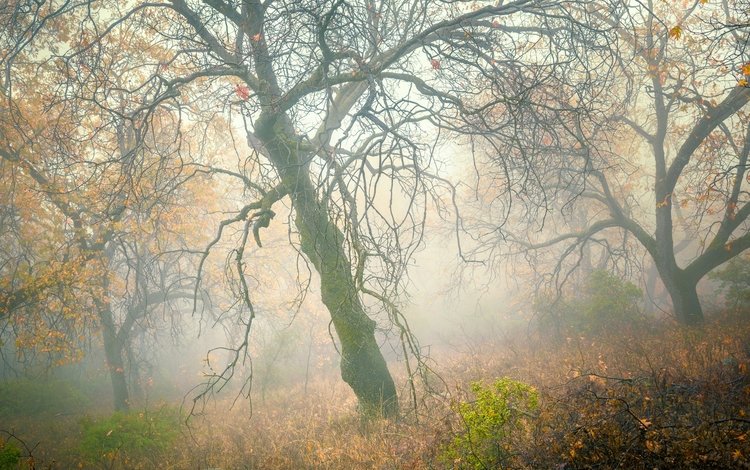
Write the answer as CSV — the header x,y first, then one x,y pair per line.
x,y
24,397
606,301
492,422
10,455
132,435
734,280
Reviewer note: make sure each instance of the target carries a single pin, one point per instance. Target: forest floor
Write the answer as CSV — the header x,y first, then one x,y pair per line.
x,y
655,396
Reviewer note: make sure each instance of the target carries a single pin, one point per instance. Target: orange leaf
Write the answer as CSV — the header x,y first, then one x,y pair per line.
x,y
746,69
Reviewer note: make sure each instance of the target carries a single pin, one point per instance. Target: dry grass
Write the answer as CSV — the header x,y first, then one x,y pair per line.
x,y
656,397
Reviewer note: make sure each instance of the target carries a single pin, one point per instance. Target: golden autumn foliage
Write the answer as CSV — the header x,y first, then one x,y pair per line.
x,y
76,182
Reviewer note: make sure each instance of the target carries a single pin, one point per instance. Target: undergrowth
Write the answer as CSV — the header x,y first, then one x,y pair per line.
x,y
37,397
10,455
494,422
661,396
129,437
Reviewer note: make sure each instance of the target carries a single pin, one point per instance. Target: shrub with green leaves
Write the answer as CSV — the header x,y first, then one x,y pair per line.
x,y
606,301
498,417
734,279
10,456
129,435
31,397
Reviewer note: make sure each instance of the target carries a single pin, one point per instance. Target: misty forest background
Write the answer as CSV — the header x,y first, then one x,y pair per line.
x,y
374,234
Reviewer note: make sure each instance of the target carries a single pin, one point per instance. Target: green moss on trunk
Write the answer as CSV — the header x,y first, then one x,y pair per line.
x,y
362,364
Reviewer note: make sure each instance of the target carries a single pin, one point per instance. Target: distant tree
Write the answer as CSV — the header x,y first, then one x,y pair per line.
x,y
734,279
604,303
651,140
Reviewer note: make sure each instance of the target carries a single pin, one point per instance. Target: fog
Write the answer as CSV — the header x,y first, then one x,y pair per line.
x,y
360,234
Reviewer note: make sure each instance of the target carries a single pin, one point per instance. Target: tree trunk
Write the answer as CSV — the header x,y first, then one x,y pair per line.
x,y
136,383
113,353
363,367
362,364
684,294
687,306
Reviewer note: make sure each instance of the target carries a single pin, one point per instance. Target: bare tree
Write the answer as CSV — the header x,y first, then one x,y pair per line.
x,y
343,106
337,110
652,141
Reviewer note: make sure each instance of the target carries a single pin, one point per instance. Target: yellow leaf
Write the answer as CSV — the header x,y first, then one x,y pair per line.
x,y
742,82
675,32
703,2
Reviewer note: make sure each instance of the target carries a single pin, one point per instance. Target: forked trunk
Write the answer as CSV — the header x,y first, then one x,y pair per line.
x,y
687,307
685,302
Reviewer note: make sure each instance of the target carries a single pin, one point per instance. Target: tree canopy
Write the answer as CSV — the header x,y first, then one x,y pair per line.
x,y
334,115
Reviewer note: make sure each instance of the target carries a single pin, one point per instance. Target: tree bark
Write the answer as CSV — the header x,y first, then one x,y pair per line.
x,y
684,294
362,364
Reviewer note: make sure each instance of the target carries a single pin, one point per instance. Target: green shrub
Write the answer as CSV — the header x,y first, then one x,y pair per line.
x,y
133,435
734,280
492,422
10,455
24,397
606,301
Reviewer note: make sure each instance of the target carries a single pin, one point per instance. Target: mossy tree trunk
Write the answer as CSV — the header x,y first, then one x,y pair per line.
x,y
322,241
363,366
